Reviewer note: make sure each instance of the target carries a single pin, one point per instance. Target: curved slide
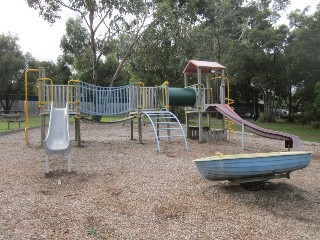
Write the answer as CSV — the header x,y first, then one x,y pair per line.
x,y
58,138
224,109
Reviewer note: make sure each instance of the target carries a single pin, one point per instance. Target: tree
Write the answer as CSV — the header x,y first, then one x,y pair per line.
x,y
62,70
257,57
104,20
221,21
303,55
75,44
12,63
165,48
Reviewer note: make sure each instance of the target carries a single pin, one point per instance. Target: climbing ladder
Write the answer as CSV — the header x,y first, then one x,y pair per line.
x,y
165,125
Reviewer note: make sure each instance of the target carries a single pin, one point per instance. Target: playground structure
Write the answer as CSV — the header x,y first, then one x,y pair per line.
x,y
214,96
135,100
210,88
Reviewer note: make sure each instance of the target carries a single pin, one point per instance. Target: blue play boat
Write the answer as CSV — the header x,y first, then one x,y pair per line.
x,y
252,167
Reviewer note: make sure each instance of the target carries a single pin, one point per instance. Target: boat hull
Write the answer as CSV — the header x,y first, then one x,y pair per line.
x,y
246,166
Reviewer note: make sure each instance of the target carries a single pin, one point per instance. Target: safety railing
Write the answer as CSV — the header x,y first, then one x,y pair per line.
x,y
45,94
73,97
107,101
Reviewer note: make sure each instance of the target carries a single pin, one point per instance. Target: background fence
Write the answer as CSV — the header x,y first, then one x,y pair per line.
x,y
33,110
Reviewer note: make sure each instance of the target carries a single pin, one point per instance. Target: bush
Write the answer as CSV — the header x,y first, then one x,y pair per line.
x,y
315,125
262,118
180,113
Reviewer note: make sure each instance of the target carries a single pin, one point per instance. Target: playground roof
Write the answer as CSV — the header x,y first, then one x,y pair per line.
x,y
205,66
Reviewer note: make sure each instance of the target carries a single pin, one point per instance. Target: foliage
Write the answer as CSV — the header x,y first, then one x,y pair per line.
x,y
303,65
60,72
257,57
12,63
77,53
77,38
165,47
104,21
276,64
221,22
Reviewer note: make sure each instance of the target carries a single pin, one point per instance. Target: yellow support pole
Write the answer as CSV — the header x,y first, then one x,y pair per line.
x,y
77,102
143,103
229,102
165,95
39,91
26,112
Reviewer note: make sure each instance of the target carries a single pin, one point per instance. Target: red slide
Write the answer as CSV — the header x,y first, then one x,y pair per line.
x,y
291,140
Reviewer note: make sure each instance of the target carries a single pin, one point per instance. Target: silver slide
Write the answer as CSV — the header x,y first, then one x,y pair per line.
x,y
58,138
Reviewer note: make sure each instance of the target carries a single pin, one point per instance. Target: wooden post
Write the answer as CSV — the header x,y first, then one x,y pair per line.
x,y
42,74
222,101
140,127
188,125
43,127
156,97
200,127
199,103
157,119
131,129
77,131
185,80
167,109
222,89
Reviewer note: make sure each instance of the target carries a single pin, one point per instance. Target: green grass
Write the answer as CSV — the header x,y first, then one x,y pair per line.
x,y
306,133
34,121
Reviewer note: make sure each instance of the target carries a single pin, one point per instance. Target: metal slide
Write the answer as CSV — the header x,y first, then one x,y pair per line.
x,y
58,138
229,113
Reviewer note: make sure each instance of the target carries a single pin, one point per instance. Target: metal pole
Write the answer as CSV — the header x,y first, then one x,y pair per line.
x,y
26,107
242,136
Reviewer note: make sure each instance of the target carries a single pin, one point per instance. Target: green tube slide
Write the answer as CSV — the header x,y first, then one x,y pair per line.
x,y
182,96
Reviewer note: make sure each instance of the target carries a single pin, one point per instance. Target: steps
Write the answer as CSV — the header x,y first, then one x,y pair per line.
x,y
165,125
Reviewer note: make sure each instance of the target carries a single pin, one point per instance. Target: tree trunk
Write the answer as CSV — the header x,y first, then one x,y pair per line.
x,y
95,60
268,106
6,104
125,57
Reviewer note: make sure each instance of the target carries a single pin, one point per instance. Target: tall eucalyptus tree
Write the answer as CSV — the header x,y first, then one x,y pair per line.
x,y
104,20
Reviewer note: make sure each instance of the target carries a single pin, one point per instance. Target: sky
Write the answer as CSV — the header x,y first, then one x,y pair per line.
x,y
42,39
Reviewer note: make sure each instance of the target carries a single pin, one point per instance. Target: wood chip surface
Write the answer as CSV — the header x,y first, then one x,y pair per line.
x,y
120,189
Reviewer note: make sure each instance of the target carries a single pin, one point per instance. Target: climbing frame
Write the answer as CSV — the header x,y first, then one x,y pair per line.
x,y
166,126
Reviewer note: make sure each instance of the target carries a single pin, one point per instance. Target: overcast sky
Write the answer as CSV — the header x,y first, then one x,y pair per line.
x,y
42,40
